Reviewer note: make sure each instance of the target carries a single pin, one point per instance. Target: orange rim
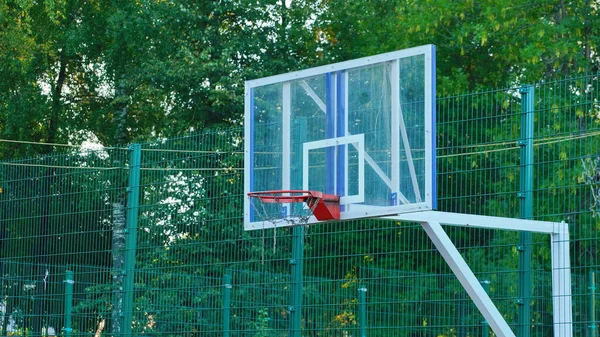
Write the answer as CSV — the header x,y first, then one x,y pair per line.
x,y
282,196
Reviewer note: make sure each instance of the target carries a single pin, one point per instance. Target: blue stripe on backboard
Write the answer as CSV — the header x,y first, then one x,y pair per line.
x,y
250,138
433,132
341,132
329,152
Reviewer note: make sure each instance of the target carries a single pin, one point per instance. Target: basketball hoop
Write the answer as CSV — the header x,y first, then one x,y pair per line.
x,y
295,207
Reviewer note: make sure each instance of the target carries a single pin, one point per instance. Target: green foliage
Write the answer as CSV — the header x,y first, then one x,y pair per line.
x,y
177,66
262,324
590,176
116,72
481,44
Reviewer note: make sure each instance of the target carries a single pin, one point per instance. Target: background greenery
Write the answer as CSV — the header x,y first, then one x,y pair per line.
x,y
115,72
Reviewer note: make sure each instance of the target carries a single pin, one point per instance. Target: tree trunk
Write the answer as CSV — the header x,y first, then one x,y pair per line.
x,y
56,99
40,249
118,261
119,214
8,308
587,31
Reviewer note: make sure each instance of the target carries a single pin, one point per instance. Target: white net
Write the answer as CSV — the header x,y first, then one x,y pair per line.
x,y
285,208
282,209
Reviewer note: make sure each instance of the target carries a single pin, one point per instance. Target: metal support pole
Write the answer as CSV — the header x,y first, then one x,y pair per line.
x,y
562,303
133,203
297,282
362,311
485,327
525,211
227,305
592,306
297,238
69,281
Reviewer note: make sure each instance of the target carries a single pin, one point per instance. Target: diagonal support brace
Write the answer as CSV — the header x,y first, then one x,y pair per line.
x,y
466,277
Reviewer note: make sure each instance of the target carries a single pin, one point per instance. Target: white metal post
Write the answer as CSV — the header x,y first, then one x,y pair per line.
x,y
561,282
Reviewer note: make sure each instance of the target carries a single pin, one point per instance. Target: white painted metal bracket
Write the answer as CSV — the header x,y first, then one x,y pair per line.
x,y
480,221
561,265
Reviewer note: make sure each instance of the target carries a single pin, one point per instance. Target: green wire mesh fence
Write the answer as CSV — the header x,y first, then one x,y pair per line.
x,y
149,240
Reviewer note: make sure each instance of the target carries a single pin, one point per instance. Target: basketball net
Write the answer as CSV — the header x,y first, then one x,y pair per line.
x,y
282,208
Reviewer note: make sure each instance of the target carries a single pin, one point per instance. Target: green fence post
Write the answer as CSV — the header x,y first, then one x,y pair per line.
x,y
297,244
525,210
485,327
133,203
297,284
362,310
592,307
226,305
69,281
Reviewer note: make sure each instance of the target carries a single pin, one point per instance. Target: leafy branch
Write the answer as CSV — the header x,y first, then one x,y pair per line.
x,y
591,177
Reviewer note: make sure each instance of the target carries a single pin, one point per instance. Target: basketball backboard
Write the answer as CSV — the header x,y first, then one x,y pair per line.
x,y
362,129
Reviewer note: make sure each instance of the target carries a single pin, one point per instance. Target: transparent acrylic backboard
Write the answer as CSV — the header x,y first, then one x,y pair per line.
x,y
362,129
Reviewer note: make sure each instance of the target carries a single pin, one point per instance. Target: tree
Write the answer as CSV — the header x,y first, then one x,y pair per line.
x,y
480,44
